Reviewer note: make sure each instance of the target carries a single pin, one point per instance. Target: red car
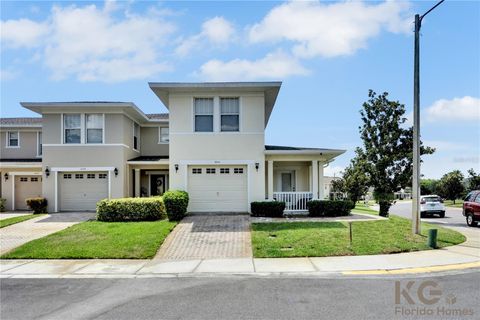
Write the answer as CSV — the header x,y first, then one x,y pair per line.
x,y
471,208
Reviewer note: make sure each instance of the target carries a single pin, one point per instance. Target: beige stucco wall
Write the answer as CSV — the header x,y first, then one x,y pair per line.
x,y
301,174
28,144
244,147
149,142
7,185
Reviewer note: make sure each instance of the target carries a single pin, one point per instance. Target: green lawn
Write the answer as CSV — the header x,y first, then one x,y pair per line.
x,y
95,239
360,207
458,203
318,239
10,221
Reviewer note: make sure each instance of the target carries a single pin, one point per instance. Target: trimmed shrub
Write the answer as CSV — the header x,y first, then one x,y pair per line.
x,y
176,203
131,209
2,204
329,208
38,205
272,209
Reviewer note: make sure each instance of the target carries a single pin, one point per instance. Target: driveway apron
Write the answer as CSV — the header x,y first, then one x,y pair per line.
x,y
207,237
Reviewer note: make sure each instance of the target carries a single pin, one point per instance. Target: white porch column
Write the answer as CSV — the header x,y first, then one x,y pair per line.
x,y
270,180
137,183
315,179
321,182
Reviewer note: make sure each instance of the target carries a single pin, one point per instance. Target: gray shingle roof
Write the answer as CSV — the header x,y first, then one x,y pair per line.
x,y
25,121
157,116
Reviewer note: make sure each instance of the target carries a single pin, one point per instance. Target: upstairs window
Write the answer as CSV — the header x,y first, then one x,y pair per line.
x,y
13,139
229,114
203,114
164,135
94,128
39,144
136,136
72,127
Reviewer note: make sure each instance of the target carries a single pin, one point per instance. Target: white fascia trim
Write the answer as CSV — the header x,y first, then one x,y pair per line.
x,y
86,145
25,173
217,133
70,169
149,162
217,162
21,126
309,152
14,165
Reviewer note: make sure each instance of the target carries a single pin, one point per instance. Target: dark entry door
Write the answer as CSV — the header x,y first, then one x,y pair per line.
x,y
157,184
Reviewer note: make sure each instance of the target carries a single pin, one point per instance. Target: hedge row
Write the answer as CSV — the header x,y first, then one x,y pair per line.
x,y
131,209
329,208
273,209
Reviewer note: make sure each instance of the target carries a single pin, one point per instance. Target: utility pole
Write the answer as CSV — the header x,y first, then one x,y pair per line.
x,y
416,124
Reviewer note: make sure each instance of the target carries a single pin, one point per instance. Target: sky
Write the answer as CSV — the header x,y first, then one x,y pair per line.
x,y
327,54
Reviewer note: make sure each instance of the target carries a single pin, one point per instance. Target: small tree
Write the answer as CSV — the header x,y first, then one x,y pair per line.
x,y
473,180
338,186
387,147
356,178
451,185
428,186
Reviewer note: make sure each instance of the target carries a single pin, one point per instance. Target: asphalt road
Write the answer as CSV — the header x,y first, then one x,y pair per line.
x,y
236,298
453,216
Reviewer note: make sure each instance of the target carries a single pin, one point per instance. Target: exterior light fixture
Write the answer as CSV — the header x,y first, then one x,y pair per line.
x,y
257,165
115,171
6,176
176,167
47,172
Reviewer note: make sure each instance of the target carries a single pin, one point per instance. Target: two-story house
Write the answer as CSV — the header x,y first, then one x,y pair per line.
x,y
211,144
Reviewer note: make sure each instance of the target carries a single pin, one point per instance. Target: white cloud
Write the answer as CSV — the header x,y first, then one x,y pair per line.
x,y
90,44
330,30
217,31
6,75
22,33
457,109
273,66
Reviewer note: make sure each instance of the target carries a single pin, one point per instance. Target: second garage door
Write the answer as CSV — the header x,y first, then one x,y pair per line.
x,y
26,187
218,188
80,191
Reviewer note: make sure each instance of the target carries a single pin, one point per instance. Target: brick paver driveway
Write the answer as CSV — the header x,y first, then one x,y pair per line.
x,y
208,236
17,234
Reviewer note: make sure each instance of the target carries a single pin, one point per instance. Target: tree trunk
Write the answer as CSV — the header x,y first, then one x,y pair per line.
x,y
453,201
384,207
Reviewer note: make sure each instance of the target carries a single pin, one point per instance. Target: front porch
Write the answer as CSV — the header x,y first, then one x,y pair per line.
x,y
149,176
296,175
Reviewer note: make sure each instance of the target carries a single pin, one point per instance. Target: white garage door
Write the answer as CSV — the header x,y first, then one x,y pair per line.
x,y
80,191
26,187
217,188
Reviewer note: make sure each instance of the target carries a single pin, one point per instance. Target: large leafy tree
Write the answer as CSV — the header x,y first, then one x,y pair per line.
x,y
387,147
473,180
428,186
356,177
451,185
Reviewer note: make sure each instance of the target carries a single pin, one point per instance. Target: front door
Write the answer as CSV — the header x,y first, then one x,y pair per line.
x,y
157,184
287,182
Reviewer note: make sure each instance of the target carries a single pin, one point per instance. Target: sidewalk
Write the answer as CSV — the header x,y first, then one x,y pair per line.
x,y
465,255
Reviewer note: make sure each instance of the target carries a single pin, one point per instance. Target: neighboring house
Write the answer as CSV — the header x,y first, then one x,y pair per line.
x,y
211,144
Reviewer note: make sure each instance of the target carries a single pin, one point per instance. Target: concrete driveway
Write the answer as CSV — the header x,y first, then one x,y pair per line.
x,y
20,233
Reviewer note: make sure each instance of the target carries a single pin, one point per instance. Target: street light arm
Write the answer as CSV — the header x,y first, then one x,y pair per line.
x,y
431,9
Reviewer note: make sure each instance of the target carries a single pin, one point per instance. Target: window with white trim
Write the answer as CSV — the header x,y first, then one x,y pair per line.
x,y
13,140
196,170
224,170
164,135
210,170
34,179
229,114
90,175
79,176
136,136
23,179
72,128
203,114
39,144
102,176
238,170
94,128
67,176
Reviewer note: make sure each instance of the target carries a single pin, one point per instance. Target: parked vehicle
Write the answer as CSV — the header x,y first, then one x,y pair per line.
x,y
430,205
471,208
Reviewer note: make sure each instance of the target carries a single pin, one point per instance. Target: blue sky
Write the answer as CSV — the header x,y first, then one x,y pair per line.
x,y
328,55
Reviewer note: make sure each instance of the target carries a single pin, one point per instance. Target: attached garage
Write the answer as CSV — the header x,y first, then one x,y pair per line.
x,y
26,187
80,191
218,188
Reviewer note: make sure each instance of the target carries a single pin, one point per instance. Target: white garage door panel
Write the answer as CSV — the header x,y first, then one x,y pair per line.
x,y
220,192
80,191
26,187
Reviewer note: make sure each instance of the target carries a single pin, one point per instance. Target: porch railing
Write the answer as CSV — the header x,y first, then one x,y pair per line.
x,y
294,201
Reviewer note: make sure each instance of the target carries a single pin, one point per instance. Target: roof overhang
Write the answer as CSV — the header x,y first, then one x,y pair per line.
x,y
270,90
128,108
325,154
